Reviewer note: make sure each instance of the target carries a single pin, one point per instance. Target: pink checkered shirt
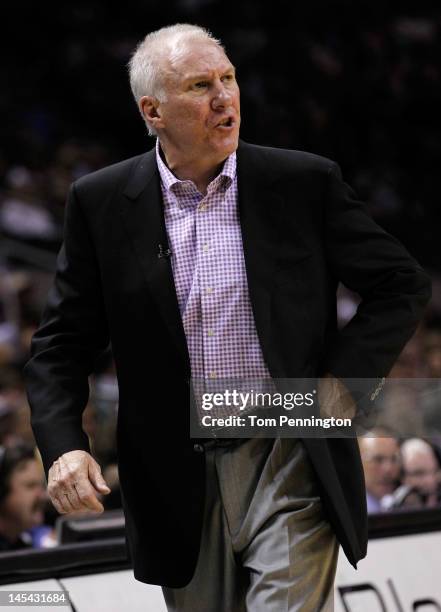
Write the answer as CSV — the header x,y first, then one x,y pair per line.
x,y
209,274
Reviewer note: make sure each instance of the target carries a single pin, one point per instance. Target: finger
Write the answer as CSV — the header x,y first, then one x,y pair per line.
x,y
87,495
61,503
57,485
57,505
53,485
64,498
97,479
71,493
67,492
65,501
68,475
74,499
85,506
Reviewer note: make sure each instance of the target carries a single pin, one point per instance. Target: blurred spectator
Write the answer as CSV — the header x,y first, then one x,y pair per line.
x,y
381,463
22,499
22,213
14,409
421,471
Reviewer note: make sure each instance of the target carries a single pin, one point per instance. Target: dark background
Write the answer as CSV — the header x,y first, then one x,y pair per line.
x,y
358,82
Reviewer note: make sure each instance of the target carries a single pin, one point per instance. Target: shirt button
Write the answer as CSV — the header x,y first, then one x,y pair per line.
x,y
202,207
210,332
209,290
212,374
205,247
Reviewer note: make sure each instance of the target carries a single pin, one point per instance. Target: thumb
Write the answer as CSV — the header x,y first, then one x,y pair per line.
x,y
97,480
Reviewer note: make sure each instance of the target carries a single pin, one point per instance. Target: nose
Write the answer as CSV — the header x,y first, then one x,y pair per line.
x,y
222,97
389,469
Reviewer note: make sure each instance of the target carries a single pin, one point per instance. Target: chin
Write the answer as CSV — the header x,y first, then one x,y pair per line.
x,y
37,518
229,145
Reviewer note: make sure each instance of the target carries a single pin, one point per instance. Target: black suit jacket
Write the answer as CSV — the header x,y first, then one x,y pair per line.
x,y
303,231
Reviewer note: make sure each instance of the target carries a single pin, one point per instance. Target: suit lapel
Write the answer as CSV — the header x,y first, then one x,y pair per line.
x,y
261,216
143,216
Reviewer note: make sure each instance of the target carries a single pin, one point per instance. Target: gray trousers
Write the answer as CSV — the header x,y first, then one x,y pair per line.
x,y
266,544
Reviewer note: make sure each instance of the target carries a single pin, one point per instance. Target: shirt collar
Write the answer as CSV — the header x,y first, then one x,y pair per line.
x,y
172,184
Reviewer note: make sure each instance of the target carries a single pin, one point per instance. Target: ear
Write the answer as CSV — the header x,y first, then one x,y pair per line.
x,y
150,110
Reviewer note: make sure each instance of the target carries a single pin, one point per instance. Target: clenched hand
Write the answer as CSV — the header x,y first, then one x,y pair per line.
x,y
74,481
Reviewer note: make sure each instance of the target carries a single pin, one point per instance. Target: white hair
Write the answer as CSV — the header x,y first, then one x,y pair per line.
x,y
146,66
415,446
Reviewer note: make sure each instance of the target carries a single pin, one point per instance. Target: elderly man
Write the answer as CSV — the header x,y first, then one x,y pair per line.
x,y
380,454
421,471
212,258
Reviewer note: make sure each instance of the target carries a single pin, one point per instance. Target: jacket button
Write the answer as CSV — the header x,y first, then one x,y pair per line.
x,y
198,448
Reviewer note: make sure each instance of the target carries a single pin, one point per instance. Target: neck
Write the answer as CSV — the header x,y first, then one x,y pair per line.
x,y
201,170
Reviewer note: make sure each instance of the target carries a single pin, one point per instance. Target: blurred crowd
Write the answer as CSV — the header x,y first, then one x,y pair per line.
x,y
27,517
361,85
401,454
400,475
357,82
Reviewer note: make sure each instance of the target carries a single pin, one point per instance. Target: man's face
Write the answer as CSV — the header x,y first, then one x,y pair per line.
x,y
27,496
381,463
421,471
201,116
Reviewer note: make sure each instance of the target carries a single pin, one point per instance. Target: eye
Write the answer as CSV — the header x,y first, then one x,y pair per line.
x,y
200,84
228,77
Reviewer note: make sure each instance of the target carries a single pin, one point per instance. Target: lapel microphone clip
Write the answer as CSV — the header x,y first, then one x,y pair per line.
x,y
163,253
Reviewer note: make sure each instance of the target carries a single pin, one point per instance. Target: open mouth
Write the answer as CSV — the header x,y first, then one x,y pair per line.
x,y
226,123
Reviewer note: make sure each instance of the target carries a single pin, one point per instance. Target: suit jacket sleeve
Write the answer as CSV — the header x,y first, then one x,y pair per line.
x,y
72,333
393,287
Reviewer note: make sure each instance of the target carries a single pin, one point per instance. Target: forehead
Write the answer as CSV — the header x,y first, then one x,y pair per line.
x,y
383,446
196,58
25,470
423,459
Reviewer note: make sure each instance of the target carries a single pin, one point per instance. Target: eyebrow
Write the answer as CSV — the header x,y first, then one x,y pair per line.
x,y
203,76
